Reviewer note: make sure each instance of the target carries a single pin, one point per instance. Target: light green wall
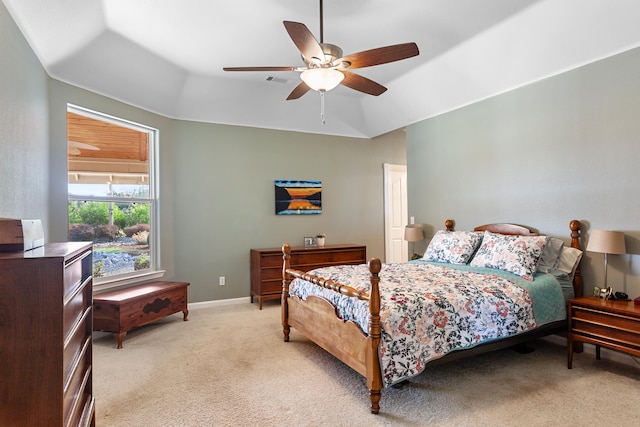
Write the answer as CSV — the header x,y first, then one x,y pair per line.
x,y
225,205
563,148
24,127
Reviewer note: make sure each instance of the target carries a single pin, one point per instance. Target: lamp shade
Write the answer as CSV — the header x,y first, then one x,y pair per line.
x,y
322,79
413,233
607,242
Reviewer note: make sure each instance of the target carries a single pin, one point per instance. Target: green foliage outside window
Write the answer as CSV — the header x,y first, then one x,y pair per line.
x,y
94,213
140,214
141,262
97,213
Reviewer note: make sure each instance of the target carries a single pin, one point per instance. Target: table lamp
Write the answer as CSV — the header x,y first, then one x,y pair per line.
x,y
606,242
413,233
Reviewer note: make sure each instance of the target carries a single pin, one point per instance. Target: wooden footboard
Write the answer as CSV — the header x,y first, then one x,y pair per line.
x,y
318,320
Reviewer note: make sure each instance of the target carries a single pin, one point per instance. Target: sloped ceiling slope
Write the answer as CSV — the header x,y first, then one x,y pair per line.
x,y
167,56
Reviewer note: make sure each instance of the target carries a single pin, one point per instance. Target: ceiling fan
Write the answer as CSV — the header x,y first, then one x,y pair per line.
x,y
326,67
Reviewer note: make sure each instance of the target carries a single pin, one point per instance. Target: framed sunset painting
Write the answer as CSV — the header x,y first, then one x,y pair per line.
x,y
298,197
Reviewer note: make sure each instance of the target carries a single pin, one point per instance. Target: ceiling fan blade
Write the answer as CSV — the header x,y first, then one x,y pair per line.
x,y
260,68
304,40
84,146
362,84
299,90
381,55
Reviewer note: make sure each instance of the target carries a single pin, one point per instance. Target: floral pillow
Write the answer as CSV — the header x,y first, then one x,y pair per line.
x,y
453,247
515,254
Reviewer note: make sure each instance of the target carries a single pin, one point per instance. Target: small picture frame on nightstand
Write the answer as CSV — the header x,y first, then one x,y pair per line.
x,y
309,241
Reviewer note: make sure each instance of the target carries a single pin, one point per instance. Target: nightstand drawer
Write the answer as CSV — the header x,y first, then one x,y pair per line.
x,y
586,319
613,324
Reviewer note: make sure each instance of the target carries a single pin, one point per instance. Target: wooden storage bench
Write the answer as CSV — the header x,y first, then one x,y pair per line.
x,y
124,309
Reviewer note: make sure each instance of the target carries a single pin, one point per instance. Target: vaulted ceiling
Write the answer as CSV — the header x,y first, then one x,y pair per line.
x,y
167,56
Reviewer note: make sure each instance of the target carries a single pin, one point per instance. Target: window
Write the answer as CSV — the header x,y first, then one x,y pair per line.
x,y
112,194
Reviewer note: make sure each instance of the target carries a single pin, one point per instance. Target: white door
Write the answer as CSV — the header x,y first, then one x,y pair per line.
x,y
395,213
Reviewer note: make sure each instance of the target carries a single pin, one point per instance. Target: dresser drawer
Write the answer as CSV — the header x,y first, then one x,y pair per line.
x,y
75,307
78,385
75,345
270,260
87,415
269,274
307,259
72,276
81,404
275,273
272,286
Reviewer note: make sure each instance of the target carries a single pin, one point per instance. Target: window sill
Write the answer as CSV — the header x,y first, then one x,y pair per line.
x,y
105,283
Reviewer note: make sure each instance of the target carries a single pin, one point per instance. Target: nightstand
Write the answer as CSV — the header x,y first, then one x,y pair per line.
x,y
612,324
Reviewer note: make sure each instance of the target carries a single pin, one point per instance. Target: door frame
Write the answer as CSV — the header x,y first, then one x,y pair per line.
x,y
395,211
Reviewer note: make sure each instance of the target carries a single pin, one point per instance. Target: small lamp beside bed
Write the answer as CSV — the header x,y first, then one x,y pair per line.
x,y
606,242
413,233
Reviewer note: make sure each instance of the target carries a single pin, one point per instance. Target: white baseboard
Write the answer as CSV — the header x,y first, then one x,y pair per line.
x,y
605,353
218,303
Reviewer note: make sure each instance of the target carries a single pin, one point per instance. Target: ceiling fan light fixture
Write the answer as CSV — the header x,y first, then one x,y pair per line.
x,y
322,79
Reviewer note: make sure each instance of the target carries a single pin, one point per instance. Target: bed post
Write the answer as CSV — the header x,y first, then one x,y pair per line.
x,y
449,224
374,373
286,279
575,227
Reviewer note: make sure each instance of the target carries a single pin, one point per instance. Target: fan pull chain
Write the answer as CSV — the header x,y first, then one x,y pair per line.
x,y
322,106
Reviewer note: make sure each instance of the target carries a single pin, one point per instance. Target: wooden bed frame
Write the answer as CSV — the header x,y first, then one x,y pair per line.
x,y
317,318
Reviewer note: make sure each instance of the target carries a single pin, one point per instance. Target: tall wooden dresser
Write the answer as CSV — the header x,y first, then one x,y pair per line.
x,y
266,265
45,336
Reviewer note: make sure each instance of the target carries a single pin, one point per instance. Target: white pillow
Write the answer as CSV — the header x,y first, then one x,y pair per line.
x,y
515,254
568,260
453,247
550,255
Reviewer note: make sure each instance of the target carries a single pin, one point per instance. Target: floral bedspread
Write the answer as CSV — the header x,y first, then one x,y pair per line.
x,y
427,310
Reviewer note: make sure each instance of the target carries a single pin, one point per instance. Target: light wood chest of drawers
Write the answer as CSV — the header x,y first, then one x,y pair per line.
x,y
45,343
266,265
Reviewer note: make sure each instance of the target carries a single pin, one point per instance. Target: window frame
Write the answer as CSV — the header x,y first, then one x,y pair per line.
x,y
154,271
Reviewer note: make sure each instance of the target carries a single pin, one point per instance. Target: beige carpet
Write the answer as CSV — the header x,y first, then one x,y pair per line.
x,y
228,366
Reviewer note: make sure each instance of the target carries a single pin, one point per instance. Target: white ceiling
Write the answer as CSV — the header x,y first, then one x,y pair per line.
x,y
166,56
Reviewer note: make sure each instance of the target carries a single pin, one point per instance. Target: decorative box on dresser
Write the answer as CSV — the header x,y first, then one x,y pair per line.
x,y
266,265
613,324
45,336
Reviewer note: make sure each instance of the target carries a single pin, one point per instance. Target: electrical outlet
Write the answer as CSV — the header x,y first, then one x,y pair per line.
x,y
221,280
